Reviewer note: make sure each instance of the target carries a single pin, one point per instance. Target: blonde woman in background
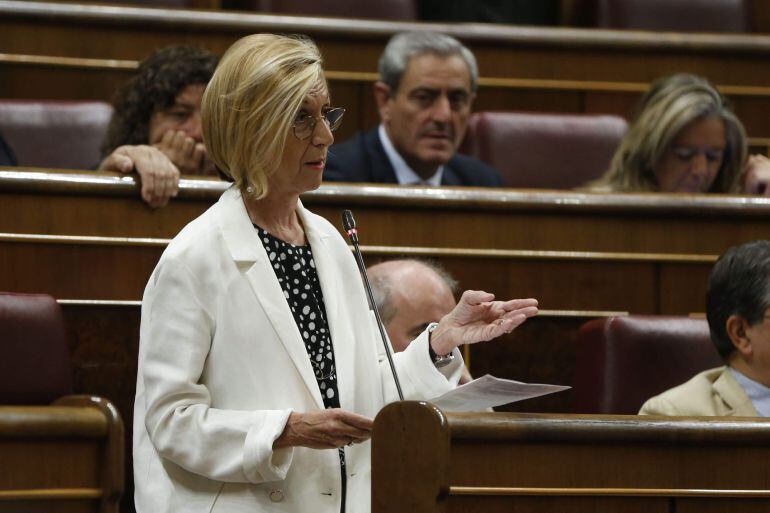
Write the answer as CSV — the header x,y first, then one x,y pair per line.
x,y
685,138
260,369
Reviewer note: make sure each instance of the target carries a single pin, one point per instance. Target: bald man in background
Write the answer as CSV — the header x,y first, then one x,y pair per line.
x,y
411,294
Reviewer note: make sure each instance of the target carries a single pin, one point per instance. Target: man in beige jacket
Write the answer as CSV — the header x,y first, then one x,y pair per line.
x,y
738,311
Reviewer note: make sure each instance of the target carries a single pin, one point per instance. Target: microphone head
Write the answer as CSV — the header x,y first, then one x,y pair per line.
x,y
347,221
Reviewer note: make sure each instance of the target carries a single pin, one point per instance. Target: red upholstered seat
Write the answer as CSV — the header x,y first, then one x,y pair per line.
x,y
43,428
544,151
674,15
623,361
55,134
34,356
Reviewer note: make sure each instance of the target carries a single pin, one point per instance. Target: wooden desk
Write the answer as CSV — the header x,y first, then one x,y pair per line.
x,y
424,460
555,246
63,458
98,204
645,253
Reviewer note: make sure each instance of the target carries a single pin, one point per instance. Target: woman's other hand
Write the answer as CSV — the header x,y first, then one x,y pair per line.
x,y
478,317
324,429
757,175
158,175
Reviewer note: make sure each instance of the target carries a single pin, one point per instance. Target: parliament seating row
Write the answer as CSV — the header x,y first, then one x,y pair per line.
x,y
522,68
47,77
648,253
522,146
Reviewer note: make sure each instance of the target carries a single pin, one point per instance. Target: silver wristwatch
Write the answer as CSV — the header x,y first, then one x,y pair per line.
x,y
439,360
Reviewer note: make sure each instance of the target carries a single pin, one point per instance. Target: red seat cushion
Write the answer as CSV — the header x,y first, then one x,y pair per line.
x,y
544,151
623,361
55,134
34,356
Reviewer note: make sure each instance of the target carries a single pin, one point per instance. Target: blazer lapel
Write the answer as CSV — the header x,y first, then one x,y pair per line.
x,y
733,395
247,250
320,238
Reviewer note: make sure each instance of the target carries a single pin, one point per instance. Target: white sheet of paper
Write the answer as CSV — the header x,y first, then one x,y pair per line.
x,y
488,391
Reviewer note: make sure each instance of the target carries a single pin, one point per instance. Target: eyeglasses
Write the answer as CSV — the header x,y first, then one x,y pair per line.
x,y
304,124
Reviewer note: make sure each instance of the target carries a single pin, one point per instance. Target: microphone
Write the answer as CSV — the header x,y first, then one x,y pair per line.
x,y
350,228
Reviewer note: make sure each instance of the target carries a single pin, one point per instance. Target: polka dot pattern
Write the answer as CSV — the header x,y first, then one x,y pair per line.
x,y
295,269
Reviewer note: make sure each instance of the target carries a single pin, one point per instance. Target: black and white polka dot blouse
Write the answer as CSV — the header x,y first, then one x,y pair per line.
x,y
295,269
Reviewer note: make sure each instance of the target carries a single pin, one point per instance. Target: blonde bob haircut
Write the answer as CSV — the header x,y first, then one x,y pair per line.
x,y
671,104
250,104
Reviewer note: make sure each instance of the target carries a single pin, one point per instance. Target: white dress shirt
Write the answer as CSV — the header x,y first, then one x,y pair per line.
x,y
405,174
757,392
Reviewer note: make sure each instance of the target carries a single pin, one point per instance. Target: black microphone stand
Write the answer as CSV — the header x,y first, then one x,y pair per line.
x,y
350,228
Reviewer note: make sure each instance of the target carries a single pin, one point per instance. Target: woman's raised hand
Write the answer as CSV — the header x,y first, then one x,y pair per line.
x,y
478,317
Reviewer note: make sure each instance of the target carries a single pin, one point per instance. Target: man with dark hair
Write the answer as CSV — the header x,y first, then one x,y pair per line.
x,y
411,294
424,96
738,308
155,129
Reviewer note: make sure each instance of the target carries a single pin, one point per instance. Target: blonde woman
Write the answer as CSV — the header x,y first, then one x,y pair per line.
x,y
259,366
685,138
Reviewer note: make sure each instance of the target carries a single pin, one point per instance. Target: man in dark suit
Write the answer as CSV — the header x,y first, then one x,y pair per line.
x,y
424,96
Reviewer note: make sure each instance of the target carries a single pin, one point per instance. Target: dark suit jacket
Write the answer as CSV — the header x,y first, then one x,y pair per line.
x,y
363,159
7,157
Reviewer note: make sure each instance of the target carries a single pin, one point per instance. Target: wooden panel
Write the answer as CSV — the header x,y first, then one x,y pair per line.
x,y
66,457
119,271
36,456
561,504
103,204
720,505
637,253
575,463
542,350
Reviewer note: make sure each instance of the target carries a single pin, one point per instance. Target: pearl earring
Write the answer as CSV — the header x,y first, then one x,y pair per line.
x,y
250,189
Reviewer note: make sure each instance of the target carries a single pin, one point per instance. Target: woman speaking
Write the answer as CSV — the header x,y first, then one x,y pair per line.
x,y
259,368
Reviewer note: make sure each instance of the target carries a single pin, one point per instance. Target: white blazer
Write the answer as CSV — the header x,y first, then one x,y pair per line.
x,y
222,364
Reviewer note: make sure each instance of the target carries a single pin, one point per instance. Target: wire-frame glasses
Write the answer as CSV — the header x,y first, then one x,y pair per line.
x,y
304,123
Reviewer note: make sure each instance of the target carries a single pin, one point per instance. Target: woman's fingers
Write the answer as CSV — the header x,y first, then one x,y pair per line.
x,y
326,429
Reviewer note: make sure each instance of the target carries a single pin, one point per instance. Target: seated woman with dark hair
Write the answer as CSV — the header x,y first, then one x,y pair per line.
x,y
156,127
685,138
